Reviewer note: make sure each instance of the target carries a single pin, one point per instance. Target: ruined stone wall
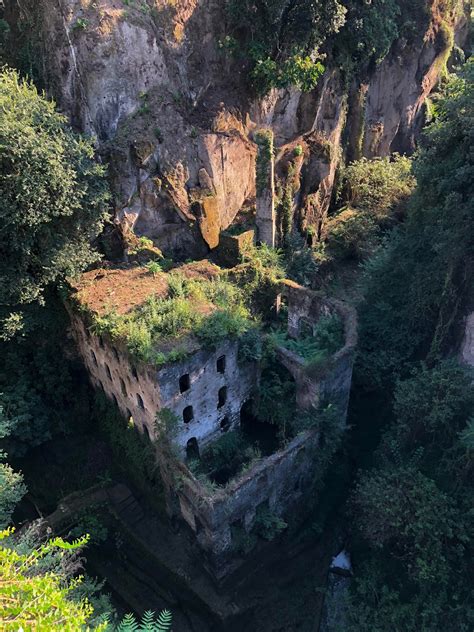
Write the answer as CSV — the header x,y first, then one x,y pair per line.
x,y
131,387
231,247
203,394
332,380
279,482
265,200
140,391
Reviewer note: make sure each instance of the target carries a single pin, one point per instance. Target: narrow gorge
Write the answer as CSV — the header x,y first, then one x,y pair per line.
x,y
237,316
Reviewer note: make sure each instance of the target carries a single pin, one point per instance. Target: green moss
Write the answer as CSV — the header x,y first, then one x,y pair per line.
x,y
264,140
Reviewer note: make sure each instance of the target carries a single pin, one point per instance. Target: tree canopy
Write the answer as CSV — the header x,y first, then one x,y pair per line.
x,y
53,197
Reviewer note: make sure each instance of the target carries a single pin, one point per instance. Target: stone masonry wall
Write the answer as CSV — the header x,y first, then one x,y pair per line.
x,y
140,391
332,380
265,200
279,482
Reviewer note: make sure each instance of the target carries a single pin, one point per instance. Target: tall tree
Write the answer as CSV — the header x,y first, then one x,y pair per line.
x,y
53,197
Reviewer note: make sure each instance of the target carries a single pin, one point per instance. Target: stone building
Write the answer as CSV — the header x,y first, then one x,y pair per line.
x,y
206,392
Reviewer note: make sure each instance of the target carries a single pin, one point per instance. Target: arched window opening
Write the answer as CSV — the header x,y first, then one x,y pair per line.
x,y
188,414
123,387
192,449
225,424
140,401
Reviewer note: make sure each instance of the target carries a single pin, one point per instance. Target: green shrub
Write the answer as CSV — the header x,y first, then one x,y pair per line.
x,y
352,235
154,268
222,324
298,151
329,333
327,338
299,71
378,185
231,453
301,265
250,345
80,24
268,525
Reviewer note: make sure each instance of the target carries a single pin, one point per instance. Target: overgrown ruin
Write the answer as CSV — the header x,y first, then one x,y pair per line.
x,y
187,404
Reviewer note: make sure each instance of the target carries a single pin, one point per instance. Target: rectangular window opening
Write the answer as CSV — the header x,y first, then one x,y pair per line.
x,y
220,364
222,398
184,383
188,414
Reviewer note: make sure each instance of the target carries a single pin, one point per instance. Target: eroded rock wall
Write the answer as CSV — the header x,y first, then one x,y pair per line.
x,y
175,120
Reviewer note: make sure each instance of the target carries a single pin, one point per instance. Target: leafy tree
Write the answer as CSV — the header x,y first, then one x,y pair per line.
x,y
367,35
39,595
36,600
12,488
412,512
53,198
282,39
375,193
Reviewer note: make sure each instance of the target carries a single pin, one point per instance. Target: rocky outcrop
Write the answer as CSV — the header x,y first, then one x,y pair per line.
x,y
175,121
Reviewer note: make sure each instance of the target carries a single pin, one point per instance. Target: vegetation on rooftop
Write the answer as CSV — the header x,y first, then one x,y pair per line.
x,y
207,309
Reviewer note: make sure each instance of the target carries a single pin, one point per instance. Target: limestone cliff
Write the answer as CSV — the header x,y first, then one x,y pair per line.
x,y
175,120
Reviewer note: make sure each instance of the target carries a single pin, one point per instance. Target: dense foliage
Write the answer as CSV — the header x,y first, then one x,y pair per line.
x,y
210,310
32,599
12,488
417,283
286,43
53,196
282,39
374,193
38,595
413,526
414,522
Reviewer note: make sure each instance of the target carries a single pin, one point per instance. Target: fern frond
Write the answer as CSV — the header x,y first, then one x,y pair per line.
x,y
165,619
147,623
128,624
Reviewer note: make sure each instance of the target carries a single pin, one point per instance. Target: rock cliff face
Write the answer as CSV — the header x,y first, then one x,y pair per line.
x,y
174,118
